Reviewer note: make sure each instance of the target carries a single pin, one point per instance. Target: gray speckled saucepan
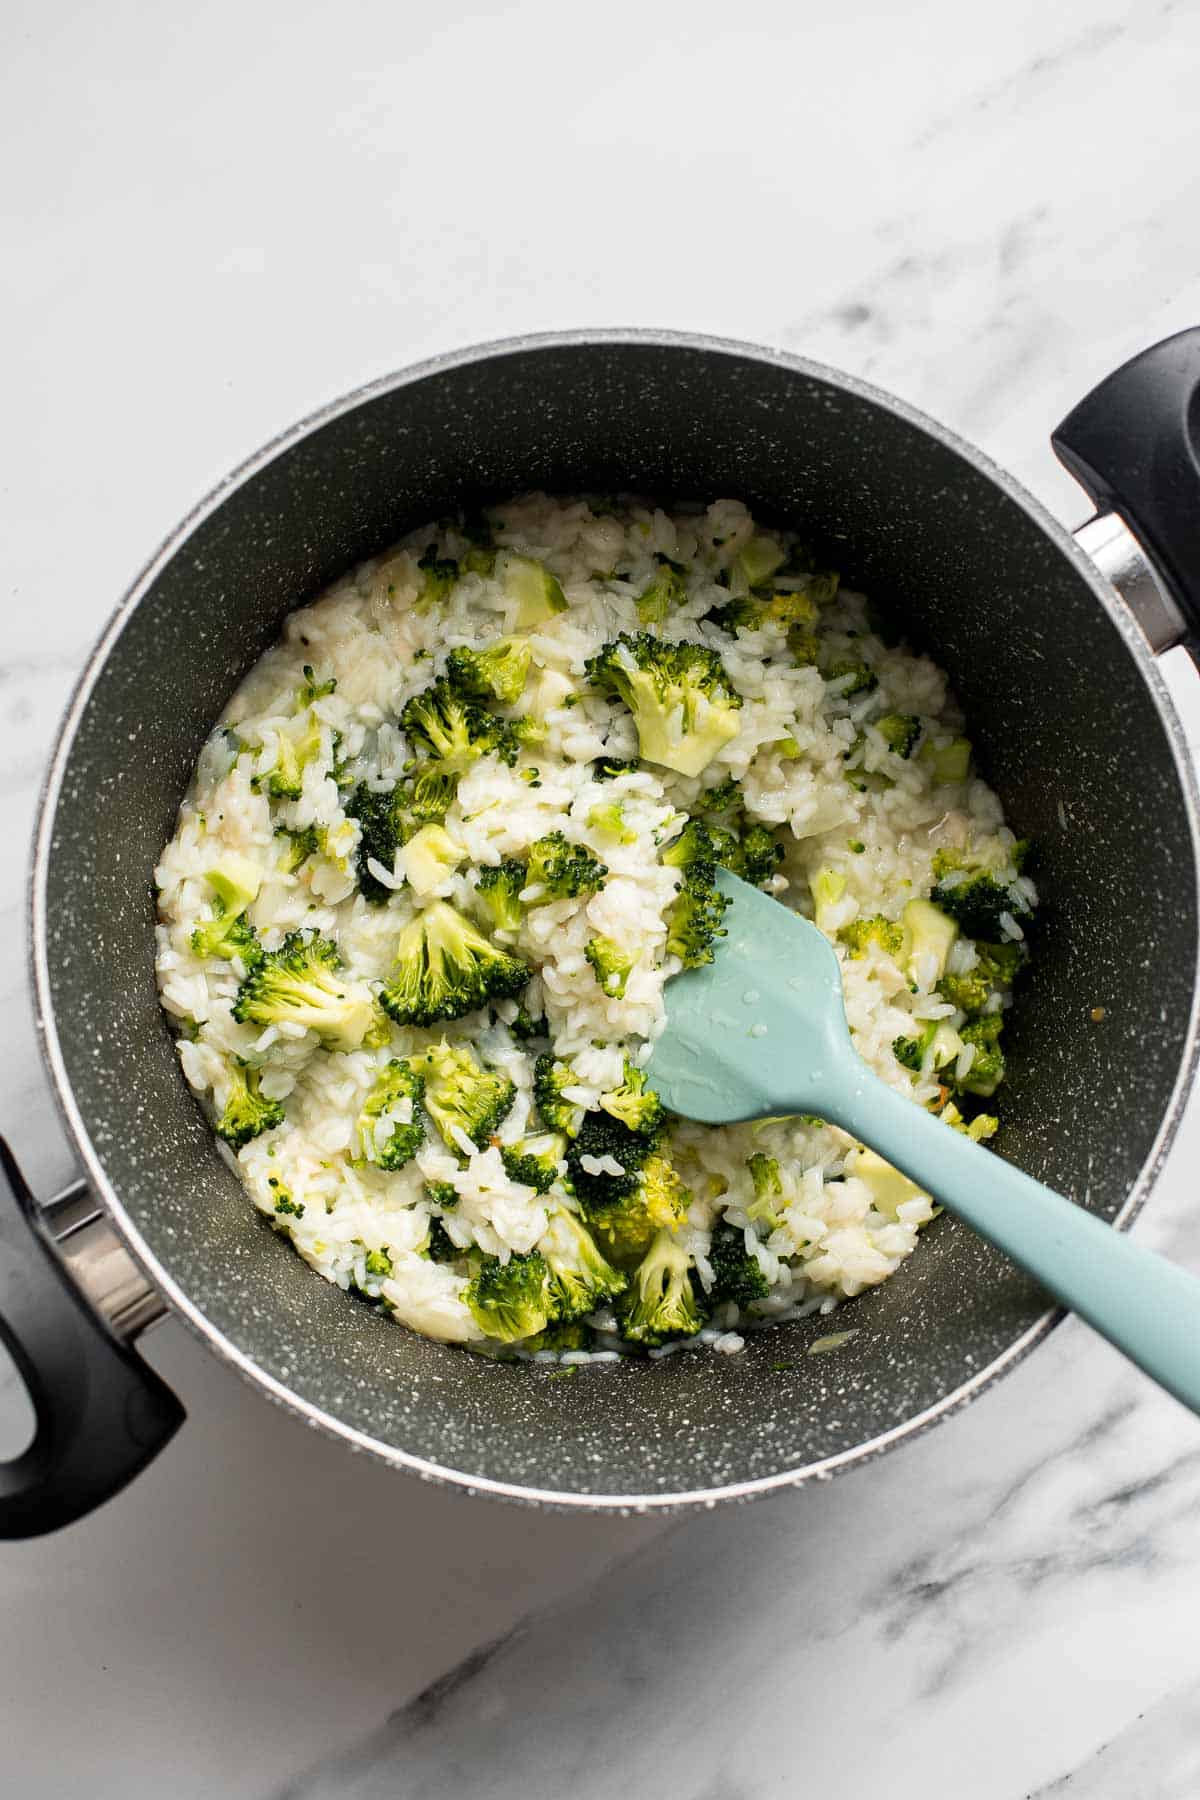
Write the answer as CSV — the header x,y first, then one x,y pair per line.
x,y
1072,725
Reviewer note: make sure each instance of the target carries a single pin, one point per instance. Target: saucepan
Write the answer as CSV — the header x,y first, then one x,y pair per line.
x,y
1050,641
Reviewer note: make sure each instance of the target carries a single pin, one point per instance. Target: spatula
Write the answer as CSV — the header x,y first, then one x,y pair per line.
x,y
761,1032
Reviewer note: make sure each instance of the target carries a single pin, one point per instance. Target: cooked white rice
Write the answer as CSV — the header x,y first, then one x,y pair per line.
x,y
799,737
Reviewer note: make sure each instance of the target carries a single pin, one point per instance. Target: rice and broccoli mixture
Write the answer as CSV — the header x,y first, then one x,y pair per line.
x,y
452,837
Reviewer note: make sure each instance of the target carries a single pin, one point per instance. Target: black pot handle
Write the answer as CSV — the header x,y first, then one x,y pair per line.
x,y
1134,445
102,1413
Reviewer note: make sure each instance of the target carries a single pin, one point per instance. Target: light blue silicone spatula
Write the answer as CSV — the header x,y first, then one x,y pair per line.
x,y
761,1032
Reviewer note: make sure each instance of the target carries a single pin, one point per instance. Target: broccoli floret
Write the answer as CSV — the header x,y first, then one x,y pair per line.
x,y
534,1161
497,673
286,1207
681,698
951,761
973,896
460,1093
694,918
696,843
300,984
567,1334
666,590
661,1303
299,846
611,964
737,1274
607,768
454,731
610,819
937,1046
384,825
438,576
524,1026
635,1105
550,1077
581,1279
624,1211
987,1071
441,1247
498,892
900,732
562,870
978,1129
755,855
443,1194
235,884
296,746
225,937
511,1300
445,967
537,592
768,1189
996,968
860,934
247,1113
385,1136
790,611
852,677
429,793
910,1051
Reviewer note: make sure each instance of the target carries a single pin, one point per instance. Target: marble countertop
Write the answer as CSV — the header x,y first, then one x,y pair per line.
x,y
221,216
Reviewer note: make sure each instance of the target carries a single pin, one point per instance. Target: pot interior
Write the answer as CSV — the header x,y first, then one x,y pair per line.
x,y
1067,728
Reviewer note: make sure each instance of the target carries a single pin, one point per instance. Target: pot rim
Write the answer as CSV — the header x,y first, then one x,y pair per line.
x,y
181,1303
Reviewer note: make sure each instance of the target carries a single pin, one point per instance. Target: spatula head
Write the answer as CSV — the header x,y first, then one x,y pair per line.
x,y
760,1031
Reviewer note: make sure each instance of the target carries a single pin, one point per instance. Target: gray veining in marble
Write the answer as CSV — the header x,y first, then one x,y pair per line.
x,y
218,216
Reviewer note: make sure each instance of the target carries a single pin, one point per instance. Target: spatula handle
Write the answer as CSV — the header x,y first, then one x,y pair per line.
x,y
1148,1307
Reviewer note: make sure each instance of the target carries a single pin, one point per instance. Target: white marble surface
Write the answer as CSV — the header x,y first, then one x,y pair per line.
x,y
217,217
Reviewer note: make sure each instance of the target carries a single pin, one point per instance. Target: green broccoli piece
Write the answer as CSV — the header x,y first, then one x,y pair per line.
x,y
300,984
454,731
610,963
987,1071
562,870
666,590
444,968
300,845
534,1161
386,1137
681,698
737,1274
524,1026
550,1077
498,892
610,819
910,1051
607,768
768,1189
443,1194
758,559
438,576
384,825
661,1302
951,761
580,1278
460,1094
853,677
296,746
755,855
635,1105
793,611
974,897
900,732
441,1247
511,1300
567,1334
497,673
624,1211
429,793
996,968
696,843
860,934
247,1113
235,884
694,918
285,1206
537,592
